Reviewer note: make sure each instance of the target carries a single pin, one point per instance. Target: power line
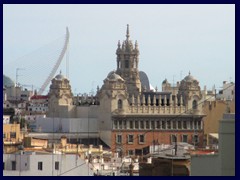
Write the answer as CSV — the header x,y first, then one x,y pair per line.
x,y
71,169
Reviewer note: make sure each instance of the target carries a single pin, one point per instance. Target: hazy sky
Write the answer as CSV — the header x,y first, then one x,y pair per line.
x,y
173,39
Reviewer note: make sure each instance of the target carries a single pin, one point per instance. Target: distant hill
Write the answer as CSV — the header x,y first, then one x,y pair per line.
x,y
7,81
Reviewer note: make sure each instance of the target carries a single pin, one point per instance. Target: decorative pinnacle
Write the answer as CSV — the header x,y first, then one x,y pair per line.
x,y
60,71
119,44
127,35
136,44
189,73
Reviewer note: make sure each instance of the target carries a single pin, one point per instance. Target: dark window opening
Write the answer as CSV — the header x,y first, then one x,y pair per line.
x,y
119,104
119,138
141,138
124,124
194,104
40,166
179,125
12,134
153,124
136,125
56,165
131,124
126,63
13,165
141,124
147,125
185,138
130,139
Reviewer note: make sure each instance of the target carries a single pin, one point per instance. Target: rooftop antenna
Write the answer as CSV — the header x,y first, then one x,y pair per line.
x,y
173,81
18,69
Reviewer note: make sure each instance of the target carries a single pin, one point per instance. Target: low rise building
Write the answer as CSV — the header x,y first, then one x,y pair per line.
x,y
44,164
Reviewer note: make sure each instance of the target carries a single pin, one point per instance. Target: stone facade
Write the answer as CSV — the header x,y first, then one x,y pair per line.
x,y
125,111
60,98
135,119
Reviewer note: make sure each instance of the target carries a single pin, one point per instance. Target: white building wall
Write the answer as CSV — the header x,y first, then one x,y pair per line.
x,y
69,165
70,125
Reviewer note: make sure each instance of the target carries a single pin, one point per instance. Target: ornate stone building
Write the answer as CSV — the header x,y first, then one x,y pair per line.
x,y
131,119
60,98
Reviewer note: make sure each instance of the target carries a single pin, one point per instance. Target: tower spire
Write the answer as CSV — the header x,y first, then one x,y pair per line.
x,y
127,35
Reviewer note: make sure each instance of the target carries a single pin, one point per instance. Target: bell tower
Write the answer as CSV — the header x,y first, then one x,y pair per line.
x,y
127,64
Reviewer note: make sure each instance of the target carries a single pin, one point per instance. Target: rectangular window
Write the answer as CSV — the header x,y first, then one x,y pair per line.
x,y
179,124
174,124
12,134
3,165
130,152
124,124
184,124
130,139
4,135
191,124
120,124
185,138
158,125
115,124
141,124
57,165
195,124
199,124
13,165
141,139
40,166
136,125
147,125
153,124
168,124
131,124
119,139
163,124
195,139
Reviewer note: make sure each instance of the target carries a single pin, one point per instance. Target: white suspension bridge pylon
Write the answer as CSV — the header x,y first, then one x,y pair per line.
x,y
59,60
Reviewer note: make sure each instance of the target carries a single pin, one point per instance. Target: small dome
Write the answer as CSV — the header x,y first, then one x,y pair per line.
x,y
114,77
111,72
165,81
60,76
189,78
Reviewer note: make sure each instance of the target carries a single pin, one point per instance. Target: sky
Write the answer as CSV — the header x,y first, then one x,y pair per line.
x,y
172,39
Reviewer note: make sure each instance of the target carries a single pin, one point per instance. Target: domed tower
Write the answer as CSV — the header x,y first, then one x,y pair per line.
x,y
127,64
113,92
166,86
60,96
113,99
191,93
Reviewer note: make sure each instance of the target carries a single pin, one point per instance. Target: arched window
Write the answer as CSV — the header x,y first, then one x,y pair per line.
x,y
119,104
194,104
